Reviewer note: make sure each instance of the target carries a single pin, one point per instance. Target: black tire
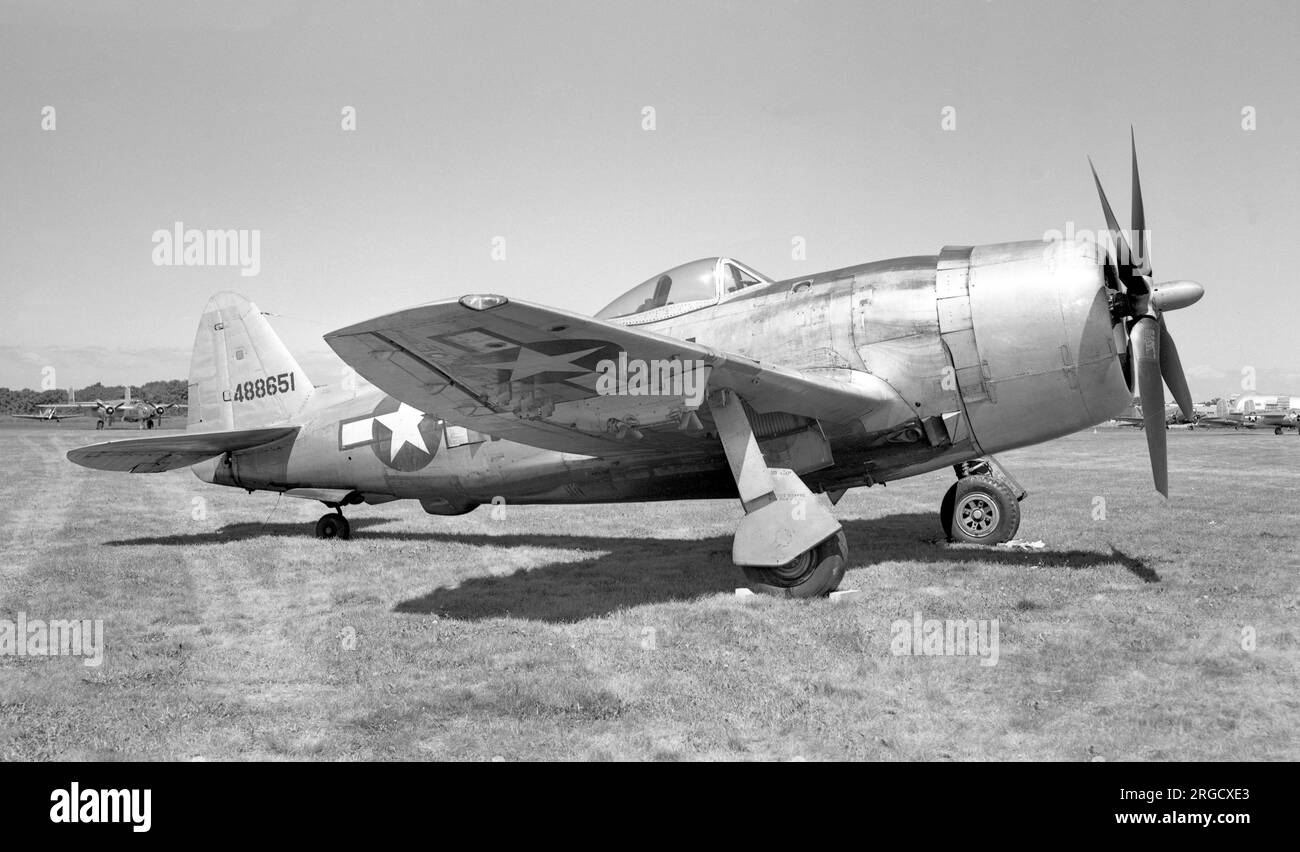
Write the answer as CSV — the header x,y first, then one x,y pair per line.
x,y
980,510
945,509
99,424
814,574
1277,430
333,526
148,424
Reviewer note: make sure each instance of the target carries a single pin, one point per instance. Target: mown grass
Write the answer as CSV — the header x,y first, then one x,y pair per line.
x,y
612,632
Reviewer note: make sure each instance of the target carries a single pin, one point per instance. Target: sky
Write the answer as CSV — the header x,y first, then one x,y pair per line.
x,y
520,130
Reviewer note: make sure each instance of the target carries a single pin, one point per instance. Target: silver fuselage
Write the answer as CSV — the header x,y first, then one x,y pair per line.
x,y
985,350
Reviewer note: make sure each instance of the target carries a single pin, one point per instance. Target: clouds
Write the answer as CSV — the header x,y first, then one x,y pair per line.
x,y
1206,372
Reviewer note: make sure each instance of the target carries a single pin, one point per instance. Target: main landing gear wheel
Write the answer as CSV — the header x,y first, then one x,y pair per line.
x,y
99,424
1277,430
980,510
812,574
333,526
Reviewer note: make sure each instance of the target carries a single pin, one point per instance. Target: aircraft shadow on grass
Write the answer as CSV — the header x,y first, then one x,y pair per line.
x,y
631,571
245,530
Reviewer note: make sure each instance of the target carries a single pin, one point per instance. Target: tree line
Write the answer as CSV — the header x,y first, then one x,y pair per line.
x,y
28,401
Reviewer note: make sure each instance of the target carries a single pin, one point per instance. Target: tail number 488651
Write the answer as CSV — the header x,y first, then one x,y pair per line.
x,y
260,388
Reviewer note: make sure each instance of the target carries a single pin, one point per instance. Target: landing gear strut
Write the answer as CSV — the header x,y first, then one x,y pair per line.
x,y
334,526
982,506
787,544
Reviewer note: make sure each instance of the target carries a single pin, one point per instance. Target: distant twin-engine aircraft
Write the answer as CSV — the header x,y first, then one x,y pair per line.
x,y
1132,415
707,381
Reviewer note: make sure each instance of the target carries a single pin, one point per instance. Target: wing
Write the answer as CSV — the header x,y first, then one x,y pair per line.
x,y
566,382
168,452
46,417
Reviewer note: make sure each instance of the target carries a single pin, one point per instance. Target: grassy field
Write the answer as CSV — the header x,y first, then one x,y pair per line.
x,y
612,632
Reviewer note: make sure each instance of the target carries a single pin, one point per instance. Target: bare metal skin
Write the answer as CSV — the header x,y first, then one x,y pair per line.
x,y
846,378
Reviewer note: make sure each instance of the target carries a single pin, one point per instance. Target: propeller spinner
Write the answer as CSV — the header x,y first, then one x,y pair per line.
x,y
1139,306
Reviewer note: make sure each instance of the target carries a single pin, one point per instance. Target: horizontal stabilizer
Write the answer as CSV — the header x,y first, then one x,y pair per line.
x,y
169,452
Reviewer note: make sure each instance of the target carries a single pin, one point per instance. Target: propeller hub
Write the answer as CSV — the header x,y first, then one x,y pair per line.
x,y
1121,307
1172,295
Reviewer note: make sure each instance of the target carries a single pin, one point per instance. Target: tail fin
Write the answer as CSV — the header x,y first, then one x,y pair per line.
x,y
1221,410
241,374
1249,405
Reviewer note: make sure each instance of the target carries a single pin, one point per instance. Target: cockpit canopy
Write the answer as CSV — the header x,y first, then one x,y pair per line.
x,y
684,288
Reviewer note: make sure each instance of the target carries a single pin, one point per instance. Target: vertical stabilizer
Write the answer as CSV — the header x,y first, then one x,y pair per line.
x,y
241,374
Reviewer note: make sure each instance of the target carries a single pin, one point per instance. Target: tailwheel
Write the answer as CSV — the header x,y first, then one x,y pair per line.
x,y
980,510
1277,430
333,526
812,574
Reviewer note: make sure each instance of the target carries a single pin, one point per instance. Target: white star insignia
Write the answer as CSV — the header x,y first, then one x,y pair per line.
x,y
404,423
529,362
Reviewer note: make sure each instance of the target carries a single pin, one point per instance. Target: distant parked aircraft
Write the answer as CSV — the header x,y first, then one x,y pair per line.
x,y
1256,411
1132,416
146,414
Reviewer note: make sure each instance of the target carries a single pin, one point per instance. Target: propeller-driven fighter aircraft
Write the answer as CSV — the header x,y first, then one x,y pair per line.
x,y
54,412
50,414
707,381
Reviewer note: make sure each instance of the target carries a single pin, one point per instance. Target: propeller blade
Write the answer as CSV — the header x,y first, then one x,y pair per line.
x,y
1145,338
1139,221
1133,283
1172,369
1112,224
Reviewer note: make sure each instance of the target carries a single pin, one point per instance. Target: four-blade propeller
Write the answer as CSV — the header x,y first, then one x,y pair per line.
x,y
1139,305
